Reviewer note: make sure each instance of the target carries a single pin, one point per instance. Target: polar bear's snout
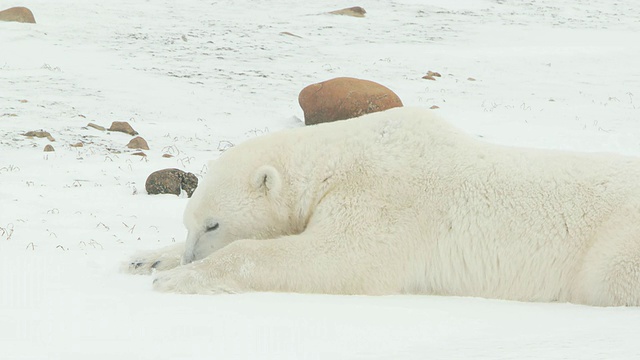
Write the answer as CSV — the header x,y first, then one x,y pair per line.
x,y
190,247
187,258
202,242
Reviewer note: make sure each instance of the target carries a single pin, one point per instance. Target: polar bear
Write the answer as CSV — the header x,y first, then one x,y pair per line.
x,y
401,202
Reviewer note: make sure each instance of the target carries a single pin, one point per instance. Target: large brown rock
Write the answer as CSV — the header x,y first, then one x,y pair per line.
x,y
19,14
344,98
171,181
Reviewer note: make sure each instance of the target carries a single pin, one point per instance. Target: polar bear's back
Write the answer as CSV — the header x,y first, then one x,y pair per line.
x,y
496,220
415,140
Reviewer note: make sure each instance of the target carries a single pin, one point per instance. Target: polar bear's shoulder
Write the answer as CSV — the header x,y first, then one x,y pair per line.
x,y
393,124
409,118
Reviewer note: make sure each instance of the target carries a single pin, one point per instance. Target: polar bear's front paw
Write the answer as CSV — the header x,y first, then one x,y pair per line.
x,y
146,263
188,280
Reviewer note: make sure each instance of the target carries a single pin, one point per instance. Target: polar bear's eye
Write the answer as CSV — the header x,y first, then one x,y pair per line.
x,y
212,227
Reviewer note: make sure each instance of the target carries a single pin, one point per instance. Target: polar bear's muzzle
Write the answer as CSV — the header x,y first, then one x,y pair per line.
x,y
190,248
201,243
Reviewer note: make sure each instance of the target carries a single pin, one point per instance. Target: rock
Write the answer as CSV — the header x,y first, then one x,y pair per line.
x,y
433,73
434,107
49,148
170,181
96,126
471,79
429,77
355,11
39,134
78,144
139,153
138,143
344,98
18,14
165,181
189,183
167,155
122,126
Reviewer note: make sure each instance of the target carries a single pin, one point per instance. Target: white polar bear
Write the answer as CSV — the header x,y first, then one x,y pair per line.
x,y
401,202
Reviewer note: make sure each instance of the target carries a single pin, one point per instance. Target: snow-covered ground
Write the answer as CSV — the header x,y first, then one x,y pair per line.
x,y
193,77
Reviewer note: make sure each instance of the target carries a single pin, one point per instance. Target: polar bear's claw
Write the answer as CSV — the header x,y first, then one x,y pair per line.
x,y
147,262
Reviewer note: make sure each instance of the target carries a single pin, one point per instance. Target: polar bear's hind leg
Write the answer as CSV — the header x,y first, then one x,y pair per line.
x,y
610,274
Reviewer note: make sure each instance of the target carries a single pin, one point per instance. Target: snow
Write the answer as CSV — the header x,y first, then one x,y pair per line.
x,y
194,77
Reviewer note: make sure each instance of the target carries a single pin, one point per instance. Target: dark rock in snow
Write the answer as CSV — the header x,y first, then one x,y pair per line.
x,y
171,181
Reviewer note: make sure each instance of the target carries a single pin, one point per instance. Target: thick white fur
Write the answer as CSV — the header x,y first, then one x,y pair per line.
x,y
402,202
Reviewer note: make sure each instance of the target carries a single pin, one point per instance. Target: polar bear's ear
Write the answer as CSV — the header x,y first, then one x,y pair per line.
x,y
267,179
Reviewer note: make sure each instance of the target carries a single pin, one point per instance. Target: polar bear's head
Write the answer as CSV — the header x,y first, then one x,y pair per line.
x,y
243,196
